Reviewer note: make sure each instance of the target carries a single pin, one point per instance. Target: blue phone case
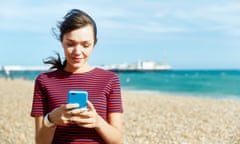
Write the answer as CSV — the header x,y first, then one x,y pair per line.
x,y
80,97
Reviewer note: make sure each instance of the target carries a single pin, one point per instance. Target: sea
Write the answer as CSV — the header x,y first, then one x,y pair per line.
x,y
216,84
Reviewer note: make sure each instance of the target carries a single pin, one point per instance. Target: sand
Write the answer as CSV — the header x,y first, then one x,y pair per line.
x,y
149,118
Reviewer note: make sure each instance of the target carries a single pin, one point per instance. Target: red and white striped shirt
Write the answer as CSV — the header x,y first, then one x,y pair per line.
x,y
51,89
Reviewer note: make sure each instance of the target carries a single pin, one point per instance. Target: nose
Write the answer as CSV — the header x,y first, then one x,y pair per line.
x,y
79,49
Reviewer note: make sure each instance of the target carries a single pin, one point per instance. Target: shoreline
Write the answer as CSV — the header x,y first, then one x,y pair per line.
x,y
147,118
187,95
199,95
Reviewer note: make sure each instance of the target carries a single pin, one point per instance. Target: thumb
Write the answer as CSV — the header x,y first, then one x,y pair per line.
x,y
91,106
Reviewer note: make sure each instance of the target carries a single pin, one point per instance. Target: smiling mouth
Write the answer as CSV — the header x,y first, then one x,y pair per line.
x,y
76,60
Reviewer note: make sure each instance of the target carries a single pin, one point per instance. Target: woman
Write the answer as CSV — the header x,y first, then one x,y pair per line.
x,y
59,122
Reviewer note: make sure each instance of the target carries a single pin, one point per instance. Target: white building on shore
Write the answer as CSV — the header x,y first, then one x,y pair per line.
x,y
139,66
151,65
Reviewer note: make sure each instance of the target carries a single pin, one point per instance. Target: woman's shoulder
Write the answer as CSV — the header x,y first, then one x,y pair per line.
x,y
50,73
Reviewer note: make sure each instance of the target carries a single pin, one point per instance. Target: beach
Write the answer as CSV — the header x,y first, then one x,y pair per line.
x,y
149,118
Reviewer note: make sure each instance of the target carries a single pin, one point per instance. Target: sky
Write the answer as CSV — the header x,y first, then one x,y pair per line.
x,y
186,34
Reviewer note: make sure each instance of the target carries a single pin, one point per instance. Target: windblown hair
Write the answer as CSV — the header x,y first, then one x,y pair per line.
x,y
74,19
56,62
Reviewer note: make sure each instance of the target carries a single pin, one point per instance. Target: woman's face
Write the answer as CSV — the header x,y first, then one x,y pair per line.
x,y
78,45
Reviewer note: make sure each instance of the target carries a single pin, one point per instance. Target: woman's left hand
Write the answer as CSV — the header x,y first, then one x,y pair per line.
x,y
85,118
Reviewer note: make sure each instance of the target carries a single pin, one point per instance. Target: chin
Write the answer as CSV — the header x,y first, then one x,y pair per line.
x,y
77,65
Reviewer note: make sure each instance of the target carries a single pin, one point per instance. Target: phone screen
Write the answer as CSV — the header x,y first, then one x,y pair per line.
x,y
77,96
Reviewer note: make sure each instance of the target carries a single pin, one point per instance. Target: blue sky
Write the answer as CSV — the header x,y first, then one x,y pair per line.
x,y
186,34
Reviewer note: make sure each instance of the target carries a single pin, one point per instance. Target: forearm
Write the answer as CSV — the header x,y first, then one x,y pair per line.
x,y
109,133
44,135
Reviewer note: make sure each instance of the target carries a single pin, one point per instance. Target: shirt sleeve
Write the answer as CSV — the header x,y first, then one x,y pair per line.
x,y
39,103
115,99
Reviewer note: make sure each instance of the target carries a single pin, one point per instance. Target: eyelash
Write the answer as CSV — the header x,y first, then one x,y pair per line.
x,y
70,45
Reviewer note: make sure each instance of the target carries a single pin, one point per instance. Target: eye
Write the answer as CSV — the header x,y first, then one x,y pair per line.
x,y
69,44
86,44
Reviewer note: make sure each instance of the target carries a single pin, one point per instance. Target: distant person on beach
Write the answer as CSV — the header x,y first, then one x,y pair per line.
x,y
57,121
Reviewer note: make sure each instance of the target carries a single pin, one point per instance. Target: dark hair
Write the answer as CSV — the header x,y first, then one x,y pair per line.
x,y
74,19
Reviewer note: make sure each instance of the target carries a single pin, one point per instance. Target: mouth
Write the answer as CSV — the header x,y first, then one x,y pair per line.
x,y
76,60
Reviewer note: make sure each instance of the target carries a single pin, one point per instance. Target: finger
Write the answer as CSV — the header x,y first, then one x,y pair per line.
x,y
65,120
87,125
81,121
70,113
90,106
71,106
76,111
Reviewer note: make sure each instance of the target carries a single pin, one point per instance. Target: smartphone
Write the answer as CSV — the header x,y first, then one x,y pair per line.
x,y
78,96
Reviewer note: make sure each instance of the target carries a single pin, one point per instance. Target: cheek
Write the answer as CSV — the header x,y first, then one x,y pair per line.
x,y
89,51
67,52
86,52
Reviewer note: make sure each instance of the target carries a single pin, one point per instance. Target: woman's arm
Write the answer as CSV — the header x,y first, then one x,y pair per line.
x,y
43,135
111,132
59,116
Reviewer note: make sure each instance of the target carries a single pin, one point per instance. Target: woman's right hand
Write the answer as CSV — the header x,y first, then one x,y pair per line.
x,y
62,115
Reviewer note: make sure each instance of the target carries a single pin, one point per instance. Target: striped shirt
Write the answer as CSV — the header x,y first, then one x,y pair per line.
x,y
51,90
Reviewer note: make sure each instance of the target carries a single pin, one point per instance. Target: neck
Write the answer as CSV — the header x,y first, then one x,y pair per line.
x,y
83,69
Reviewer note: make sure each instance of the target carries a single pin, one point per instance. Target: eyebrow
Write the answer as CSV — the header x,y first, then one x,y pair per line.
x,y
70,40
77,41
82,42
